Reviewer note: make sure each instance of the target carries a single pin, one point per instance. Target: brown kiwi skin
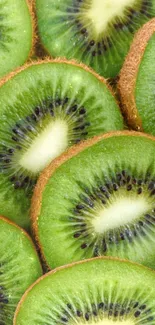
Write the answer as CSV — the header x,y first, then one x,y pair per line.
x,y
56,163
70,266
39,50
23,231
129,72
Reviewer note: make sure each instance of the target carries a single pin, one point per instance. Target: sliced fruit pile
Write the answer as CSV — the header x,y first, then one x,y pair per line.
x,y
74,171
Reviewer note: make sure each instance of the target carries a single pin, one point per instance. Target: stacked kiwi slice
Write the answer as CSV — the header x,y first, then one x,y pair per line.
x,y
71,174
98,199
97,291
138,100
46,107
16,34
19,267
96,32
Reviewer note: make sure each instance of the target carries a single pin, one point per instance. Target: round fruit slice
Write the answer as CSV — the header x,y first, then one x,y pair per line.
x,y
19,268
96,32
98,199
45,108
137,81
15,34
96,291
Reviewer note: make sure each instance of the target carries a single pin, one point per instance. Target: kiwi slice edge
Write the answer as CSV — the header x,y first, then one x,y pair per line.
x,y
19,266
31,6
129,72
36,202
97,264
48,59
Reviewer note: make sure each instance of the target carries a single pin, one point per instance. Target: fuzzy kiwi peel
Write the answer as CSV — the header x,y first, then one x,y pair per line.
x,y
116,291
32,53
19,267
62,109
15,42
98,33
136,82
90,185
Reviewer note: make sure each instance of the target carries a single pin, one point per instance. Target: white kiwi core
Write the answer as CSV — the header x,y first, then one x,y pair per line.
x,y
101,12
119,213
49,144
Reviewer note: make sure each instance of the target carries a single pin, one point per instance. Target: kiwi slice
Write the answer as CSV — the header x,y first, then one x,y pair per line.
x,y
45,108
19,268
98,199
97,291
96,32
137,81
16,35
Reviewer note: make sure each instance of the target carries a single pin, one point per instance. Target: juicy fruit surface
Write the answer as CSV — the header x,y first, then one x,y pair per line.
x,y
99,291
15,34
101,202
19,268
144,96
43,110
98,33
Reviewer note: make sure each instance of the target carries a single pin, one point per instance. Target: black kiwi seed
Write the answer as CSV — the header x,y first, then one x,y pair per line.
x,y
142,307
65,320
77,235
136,305
86,316
137,313
79,313
92,42
84,245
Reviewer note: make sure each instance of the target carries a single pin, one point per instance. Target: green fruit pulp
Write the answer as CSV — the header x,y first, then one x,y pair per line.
x,y
88,208
15,34
93,291
145,88
66,30
19,268
30,94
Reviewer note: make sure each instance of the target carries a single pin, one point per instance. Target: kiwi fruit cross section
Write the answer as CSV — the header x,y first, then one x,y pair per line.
x,y
97,291
96,32
98,199
138,99
16,34
44,108
19,268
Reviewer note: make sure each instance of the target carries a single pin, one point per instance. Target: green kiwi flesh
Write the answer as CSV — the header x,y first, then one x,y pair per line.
x,y
96,291
144,96
100,201
96,32
137,82
19,268
15,34
45,108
